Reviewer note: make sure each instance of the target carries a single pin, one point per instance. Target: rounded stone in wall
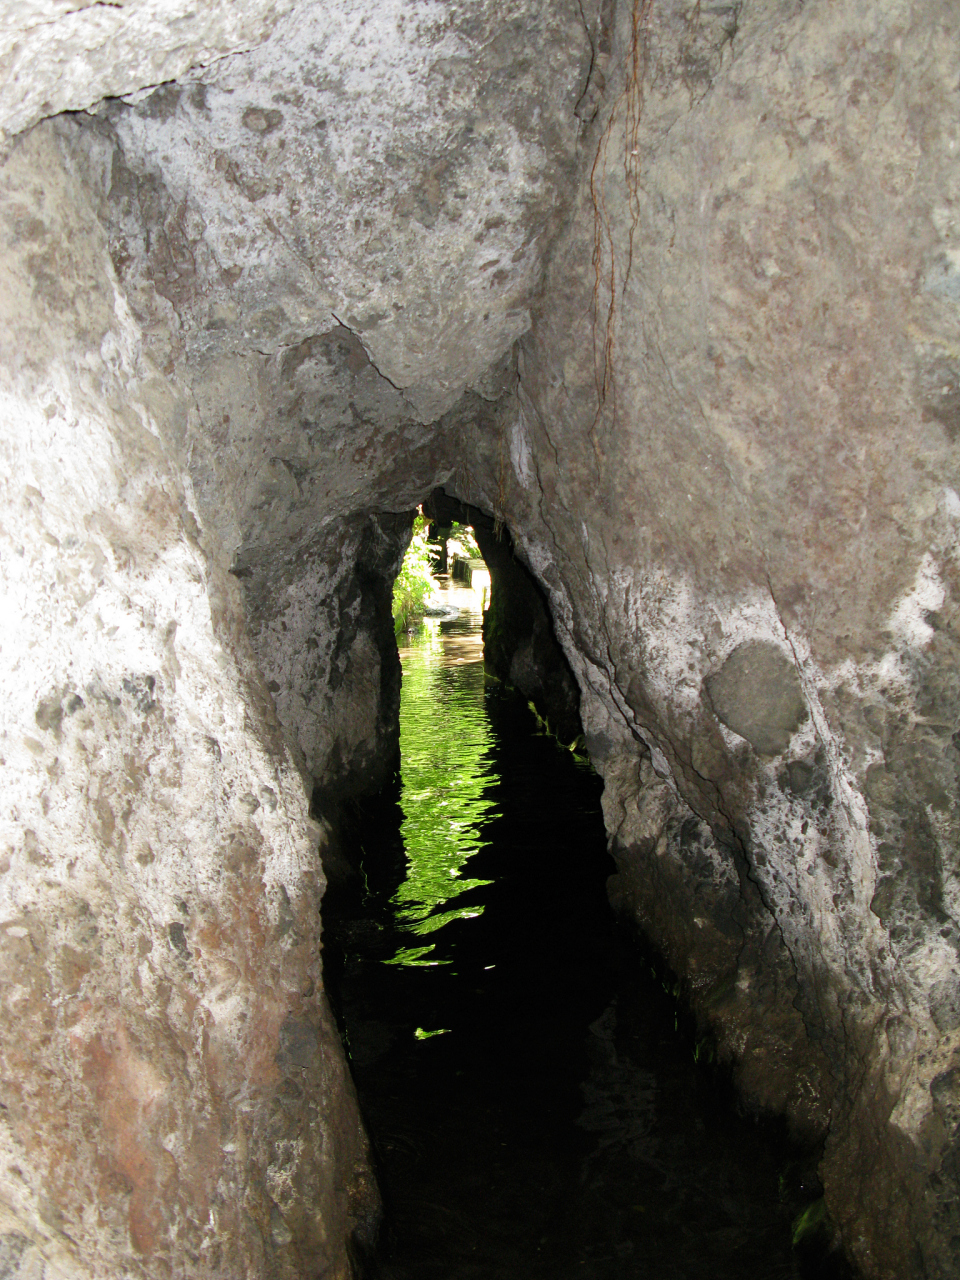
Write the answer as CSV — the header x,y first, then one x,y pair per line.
x,y
757,694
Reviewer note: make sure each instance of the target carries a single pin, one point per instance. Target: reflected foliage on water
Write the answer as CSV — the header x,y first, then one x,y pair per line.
x,y
445,747
535,1112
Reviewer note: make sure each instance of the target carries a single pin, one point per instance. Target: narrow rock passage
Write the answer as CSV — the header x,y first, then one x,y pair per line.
x,y
534,1109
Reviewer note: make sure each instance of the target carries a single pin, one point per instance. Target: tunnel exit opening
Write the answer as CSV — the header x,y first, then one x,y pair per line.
x,y
530,1088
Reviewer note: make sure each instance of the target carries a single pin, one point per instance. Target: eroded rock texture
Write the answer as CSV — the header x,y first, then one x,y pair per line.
x,y
207,491
670,289
174,1099
751,547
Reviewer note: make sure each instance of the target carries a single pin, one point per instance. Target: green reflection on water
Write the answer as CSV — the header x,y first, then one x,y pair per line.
x,y
445,740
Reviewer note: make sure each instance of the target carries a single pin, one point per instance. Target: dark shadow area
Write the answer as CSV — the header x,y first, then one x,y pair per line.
x,y
528,1081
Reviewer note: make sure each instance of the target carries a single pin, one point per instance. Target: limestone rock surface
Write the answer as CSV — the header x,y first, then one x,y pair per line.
x,y
396,168
203,470
734,468
174,1097
67,55
253,316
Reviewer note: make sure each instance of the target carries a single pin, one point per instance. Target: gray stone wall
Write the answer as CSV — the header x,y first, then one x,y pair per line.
x,y
173,1096
250,317
733,465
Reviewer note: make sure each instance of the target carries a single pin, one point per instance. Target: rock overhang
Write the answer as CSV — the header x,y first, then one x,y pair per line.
x,y
395,168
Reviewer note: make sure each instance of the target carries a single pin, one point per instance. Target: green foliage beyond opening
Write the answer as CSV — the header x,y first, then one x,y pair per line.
x,y
462,542
414,581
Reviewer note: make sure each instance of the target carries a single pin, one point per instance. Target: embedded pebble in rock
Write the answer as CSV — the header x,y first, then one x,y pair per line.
x,y
757,694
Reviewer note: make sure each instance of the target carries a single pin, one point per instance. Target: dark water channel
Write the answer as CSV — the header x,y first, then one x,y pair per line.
x,y
535,1110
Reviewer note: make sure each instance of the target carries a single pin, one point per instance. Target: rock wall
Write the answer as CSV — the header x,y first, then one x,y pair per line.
x,y
210,483
251,317
734,468
71,54
173,1098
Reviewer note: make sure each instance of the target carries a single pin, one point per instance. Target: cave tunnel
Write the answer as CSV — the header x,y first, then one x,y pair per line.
x,y
669,292
571,1121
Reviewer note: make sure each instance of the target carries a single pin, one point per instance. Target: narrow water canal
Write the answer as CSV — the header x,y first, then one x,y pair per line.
x,y
535,1112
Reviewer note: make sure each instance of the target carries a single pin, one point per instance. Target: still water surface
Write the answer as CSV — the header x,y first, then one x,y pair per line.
x,y
535,1111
